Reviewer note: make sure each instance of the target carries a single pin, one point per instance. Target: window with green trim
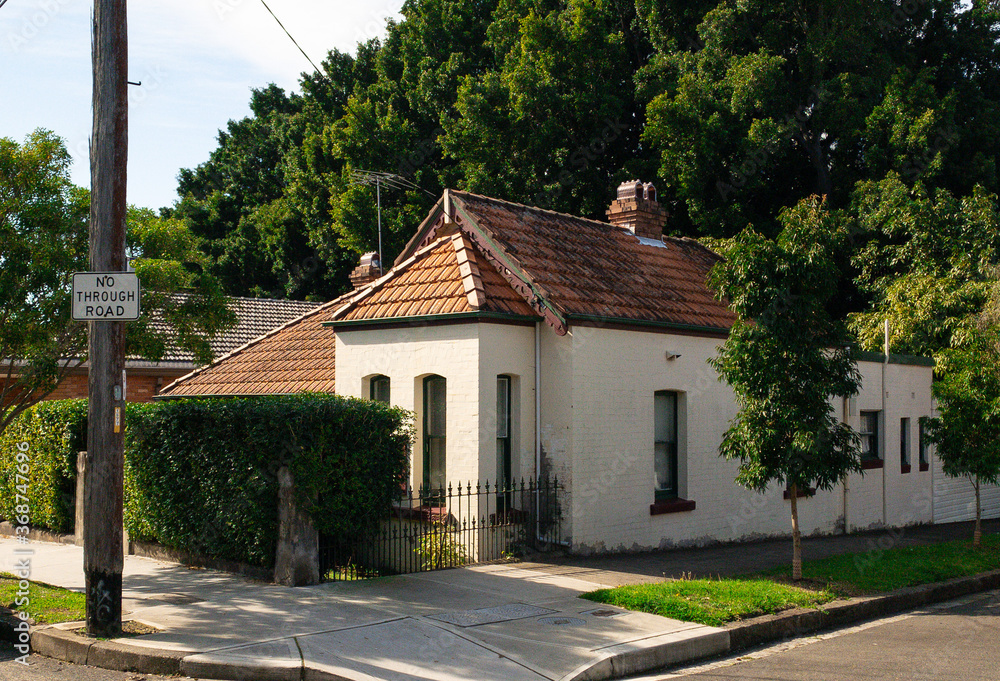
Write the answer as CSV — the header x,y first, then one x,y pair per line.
x,y
922,444
378,389
904,442
504,472
434,422
665,444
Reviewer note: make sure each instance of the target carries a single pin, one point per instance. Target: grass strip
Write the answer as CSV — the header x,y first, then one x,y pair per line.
x,y
709,601
46,604
887,569
717,602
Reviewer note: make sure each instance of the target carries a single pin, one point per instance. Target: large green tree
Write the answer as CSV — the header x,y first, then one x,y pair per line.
x,y
785,357
926,263
44,239
777,100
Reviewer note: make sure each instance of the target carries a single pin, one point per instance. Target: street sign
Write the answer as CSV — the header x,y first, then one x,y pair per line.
x,y
105,296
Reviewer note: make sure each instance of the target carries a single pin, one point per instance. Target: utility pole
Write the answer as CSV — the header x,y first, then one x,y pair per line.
x,y
103,555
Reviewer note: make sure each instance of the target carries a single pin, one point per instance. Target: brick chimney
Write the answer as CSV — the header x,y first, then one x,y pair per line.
x,y
637,210
368,271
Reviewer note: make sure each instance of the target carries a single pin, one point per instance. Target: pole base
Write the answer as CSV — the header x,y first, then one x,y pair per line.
x,y
104,603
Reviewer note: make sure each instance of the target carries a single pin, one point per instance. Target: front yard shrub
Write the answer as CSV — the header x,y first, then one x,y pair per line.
x,y
50,434
201,475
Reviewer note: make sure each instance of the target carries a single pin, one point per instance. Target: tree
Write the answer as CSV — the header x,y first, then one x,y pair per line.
x,y
43,232
967,432
926,264
556,122
775,100
44,237
785,357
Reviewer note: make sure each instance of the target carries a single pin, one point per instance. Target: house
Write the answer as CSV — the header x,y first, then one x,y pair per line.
x,y
530,342
145,379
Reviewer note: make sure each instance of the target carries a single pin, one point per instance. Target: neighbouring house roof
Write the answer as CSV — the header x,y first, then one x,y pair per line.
x,y
567,269
254,318
298,356
447,277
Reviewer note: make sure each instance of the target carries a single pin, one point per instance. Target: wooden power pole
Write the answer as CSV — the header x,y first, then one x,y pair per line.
x,y
103,555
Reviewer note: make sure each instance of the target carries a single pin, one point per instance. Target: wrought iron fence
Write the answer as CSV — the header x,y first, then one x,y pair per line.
x,y
433,529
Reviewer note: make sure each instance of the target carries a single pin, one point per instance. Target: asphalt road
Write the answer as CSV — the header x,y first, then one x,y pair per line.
x,y
944,642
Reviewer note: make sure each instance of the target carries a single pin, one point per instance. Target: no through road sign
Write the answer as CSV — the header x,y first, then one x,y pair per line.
x,y
105,296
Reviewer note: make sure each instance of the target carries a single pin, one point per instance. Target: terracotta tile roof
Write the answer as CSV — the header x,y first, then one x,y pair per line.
x,y
588,268
296,357
449,276
255,317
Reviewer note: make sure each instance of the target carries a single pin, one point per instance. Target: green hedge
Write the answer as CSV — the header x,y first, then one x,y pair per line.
x,y
51,434
201,475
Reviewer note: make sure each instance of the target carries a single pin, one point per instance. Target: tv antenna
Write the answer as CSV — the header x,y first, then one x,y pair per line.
x,y
391,180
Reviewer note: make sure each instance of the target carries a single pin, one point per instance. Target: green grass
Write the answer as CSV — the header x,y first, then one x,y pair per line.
x,y
716,602
711,602
46,604
889,569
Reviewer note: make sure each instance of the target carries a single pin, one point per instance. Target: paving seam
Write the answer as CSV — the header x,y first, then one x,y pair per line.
x,y
294,636
482,644
302,659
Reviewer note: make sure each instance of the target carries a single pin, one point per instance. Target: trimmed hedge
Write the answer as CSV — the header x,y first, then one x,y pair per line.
x,y
52,433
201,475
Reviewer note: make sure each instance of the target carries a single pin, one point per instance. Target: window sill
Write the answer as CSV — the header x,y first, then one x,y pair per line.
x,y
924,467
904,468
869,464
670,506
810,492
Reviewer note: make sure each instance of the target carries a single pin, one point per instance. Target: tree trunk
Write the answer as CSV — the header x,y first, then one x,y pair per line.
x,y
977,534
793,493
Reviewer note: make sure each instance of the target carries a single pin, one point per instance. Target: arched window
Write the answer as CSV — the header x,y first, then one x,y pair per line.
x,y
378,389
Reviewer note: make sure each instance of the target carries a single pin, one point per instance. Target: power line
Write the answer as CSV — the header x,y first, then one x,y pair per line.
x,y
282,28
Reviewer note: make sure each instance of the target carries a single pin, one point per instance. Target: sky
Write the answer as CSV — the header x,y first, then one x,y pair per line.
x,y
198,61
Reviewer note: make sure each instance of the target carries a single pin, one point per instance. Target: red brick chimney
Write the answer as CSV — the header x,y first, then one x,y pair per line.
x,y
637,210
368,271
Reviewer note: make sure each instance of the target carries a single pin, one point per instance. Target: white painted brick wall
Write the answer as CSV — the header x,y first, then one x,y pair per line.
x,y
615,374
597,429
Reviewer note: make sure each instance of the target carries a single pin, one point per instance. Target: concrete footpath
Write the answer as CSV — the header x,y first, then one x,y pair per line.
x,y
512,621
485,622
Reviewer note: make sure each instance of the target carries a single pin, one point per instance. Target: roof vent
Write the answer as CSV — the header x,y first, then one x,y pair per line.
x,y
368,271
637,210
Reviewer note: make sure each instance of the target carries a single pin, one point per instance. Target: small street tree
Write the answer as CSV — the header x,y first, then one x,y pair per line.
x,y
967,432
43,240
785,357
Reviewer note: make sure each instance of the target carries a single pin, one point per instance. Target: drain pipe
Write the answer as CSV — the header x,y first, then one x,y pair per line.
x,y
847,420
538,427
885,427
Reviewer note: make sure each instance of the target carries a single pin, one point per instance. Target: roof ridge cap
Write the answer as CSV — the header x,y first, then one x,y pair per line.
x,y
535,208
472,282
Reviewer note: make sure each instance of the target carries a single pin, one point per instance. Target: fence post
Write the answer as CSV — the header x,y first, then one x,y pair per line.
x,y
81,471
296,561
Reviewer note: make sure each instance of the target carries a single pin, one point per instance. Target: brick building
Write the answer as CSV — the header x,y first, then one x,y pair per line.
x,y
529,341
